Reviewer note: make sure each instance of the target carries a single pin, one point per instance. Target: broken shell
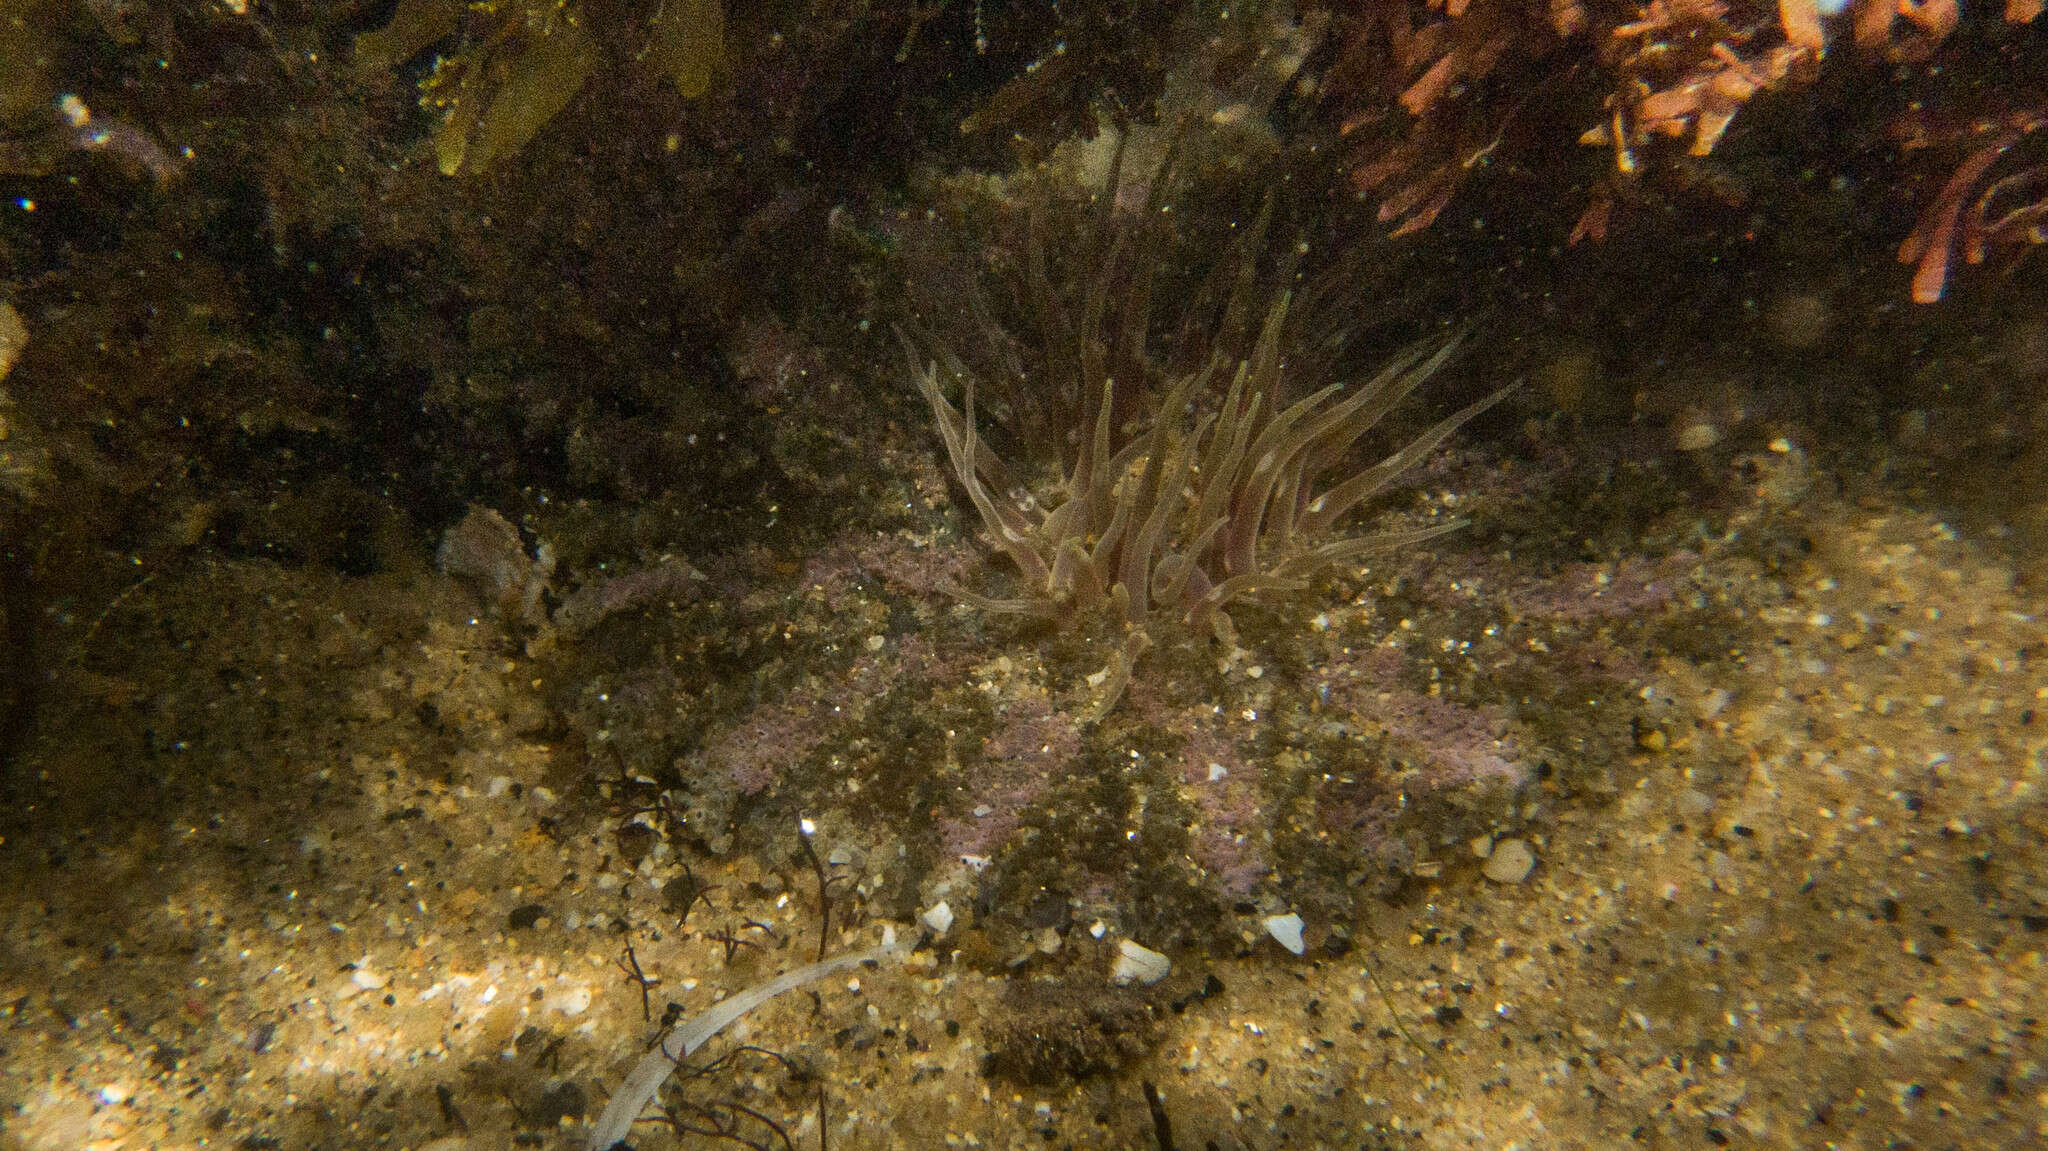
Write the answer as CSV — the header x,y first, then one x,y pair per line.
x,y
1139,964
1286,931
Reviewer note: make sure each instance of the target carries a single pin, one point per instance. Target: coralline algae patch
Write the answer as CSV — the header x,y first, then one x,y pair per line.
x,y
1357,743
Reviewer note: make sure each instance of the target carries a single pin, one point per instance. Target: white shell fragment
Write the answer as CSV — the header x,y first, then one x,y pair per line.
x,y
1139,964
1511,861
1286,931
571,1001
938,917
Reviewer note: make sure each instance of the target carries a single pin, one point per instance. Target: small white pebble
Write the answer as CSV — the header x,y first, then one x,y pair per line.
x,y
1511,861
571,1001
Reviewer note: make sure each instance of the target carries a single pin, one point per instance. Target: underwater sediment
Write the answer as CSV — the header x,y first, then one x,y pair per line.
x,y
484,586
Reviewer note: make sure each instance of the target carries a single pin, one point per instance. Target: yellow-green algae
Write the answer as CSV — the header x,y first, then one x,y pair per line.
x,y
521,62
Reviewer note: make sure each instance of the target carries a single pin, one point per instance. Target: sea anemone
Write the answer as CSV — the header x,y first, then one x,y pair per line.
x,y
1177,498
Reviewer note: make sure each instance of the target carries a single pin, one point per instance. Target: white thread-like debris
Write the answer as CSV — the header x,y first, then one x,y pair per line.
x,y
644,1082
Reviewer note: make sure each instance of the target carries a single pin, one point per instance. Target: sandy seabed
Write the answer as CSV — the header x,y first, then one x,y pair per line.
x,y
311,878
